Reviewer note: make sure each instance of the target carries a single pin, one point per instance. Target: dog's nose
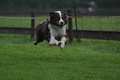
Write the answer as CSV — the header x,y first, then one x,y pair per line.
x,y
61,23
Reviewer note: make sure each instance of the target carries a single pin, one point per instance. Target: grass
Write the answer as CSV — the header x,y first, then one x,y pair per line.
x,y
87,60
109,24
18,22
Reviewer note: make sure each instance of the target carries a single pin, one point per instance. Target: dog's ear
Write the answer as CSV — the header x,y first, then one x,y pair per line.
x,y
64,13
52,14
48,19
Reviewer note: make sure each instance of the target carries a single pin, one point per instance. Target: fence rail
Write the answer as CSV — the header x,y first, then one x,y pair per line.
x,y
91,34
95,34
72,33
15,30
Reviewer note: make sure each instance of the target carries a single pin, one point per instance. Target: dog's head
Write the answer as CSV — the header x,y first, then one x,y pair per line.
x,y
58,18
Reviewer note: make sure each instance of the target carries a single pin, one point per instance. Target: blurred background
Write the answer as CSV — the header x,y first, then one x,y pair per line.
x,y
58,4
92,15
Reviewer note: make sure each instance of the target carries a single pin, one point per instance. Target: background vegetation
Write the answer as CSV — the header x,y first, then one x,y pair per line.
x,y
55,4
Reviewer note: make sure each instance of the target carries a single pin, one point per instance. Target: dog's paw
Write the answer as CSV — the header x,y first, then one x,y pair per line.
x,y
59,43
62,46
50,43
35,43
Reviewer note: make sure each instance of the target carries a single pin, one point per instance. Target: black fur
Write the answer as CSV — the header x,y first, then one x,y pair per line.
x,y
42,32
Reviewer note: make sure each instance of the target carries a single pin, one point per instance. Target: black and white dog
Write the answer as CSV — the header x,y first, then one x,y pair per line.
x,y
53,30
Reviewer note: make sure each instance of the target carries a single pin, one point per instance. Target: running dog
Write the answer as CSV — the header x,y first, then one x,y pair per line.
x,y
53,30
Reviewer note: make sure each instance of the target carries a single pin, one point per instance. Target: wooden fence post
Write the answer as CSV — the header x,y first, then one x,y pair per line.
x,y
32,24
70,27
77,32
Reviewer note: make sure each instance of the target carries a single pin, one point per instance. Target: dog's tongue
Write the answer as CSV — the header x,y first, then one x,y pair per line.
x,y
60,26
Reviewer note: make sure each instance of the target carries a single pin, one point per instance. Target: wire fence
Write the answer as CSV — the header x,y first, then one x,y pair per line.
x,y
99,19
84,24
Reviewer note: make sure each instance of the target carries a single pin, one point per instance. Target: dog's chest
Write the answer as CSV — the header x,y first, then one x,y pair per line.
x,y
56,31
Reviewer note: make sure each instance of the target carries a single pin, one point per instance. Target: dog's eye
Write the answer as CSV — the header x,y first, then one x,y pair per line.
x,y
64,17
56,19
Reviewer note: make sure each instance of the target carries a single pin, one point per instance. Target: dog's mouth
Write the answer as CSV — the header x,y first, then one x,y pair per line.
x,y
60,26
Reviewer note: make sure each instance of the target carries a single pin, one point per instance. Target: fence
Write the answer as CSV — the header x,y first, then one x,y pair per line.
x,y
21,15
80,25
100,24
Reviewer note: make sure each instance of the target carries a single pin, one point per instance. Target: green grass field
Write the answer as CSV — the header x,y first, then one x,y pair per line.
x,y
18,22
87,60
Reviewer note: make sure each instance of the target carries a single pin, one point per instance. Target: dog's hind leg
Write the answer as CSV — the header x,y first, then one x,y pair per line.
x,y
38,39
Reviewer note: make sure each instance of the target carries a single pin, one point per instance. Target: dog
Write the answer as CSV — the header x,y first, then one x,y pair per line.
x,y
53,30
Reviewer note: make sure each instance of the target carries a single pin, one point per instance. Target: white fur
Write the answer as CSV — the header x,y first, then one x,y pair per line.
x,y
61,20
57,31
63,40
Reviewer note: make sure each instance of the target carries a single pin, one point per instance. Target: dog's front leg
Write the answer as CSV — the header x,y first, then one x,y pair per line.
x,y
63,41
53,41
